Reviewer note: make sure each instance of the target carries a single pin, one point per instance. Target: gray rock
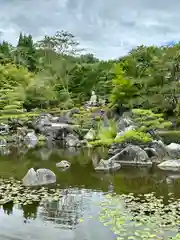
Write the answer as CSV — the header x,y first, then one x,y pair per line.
x,y
151,152
91,135
71,112
31,139
170,165
58,131
4,129
159,148
124,122
63,164
3,143
72,141
115,148
107,166
131,155
173,150
40,177
42,121
126,129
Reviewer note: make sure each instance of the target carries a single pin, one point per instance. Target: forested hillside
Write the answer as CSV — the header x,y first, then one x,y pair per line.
x,y
53,73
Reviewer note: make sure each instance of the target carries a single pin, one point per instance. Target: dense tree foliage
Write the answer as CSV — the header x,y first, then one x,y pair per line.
x,y
53,72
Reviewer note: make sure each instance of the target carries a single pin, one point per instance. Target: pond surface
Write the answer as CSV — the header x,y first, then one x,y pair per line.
x,y
76,215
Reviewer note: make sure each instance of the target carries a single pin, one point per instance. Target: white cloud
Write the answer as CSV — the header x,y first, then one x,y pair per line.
x,y
107,28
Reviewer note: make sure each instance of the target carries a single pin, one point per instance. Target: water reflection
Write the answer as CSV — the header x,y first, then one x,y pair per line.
x,y
30,211
82,189
57,219
44,153
8,208
67,211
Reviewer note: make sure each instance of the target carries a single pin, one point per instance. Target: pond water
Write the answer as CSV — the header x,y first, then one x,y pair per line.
x,y
76,215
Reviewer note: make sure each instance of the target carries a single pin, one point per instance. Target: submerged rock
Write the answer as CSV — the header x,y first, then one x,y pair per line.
x,y
63,164
170,165
106,166
40,177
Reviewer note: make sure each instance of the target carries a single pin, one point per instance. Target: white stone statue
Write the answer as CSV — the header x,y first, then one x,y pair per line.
x,y
93,99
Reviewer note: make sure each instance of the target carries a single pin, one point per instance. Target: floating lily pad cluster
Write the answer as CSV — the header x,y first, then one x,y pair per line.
x,y
141,217
13,191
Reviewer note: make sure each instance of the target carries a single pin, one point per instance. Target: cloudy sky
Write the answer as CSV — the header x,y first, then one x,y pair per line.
x,y
108,29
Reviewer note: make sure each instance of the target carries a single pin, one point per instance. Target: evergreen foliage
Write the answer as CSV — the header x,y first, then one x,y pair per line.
x,y
52,73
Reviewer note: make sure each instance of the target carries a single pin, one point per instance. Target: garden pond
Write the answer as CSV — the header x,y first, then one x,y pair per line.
x,y
134,203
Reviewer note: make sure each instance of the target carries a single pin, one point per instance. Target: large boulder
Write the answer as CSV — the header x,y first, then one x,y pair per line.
x,y
58,131
40,177
170,165
72,141
159,149
173,150
42,121
115,148
124,122
132,155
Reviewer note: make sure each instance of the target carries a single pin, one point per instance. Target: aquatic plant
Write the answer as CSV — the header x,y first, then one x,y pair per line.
x,y
13,191
141,217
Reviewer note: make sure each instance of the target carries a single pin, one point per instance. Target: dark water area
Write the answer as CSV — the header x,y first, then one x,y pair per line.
x,y
75,215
